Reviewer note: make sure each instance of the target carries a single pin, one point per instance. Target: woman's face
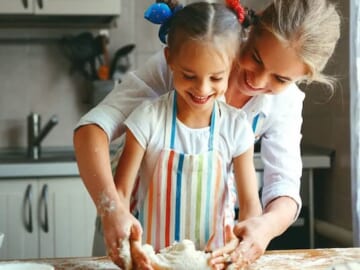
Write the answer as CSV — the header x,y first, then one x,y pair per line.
x,y
266,66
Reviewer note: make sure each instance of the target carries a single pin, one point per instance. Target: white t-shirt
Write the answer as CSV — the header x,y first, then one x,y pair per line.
x,y
278,125
147,123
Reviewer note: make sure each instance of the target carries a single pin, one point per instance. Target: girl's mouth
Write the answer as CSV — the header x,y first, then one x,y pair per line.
x,y
199,99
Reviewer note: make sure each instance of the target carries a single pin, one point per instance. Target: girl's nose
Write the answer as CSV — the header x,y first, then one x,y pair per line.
x,y
202,87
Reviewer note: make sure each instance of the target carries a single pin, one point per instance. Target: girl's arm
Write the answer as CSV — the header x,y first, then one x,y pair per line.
x,y
247,185
128,227
250,207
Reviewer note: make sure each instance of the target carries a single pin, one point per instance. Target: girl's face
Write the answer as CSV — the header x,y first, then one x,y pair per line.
x,y
266,66
200,75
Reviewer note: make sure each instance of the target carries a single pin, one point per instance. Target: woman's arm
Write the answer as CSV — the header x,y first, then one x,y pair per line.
x,y
92,155
128,167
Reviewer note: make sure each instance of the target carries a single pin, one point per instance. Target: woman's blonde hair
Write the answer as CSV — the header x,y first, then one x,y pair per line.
x,y
311,26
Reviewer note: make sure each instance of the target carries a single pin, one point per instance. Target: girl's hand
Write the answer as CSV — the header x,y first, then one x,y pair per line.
x,y
244,244
222,257
139,258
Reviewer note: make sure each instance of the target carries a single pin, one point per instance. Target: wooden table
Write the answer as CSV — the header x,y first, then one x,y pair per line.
x,y
314,259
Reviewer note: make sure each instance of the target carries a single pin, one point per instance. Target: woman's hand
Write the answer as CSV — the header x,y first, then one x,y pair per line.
x,y
117,226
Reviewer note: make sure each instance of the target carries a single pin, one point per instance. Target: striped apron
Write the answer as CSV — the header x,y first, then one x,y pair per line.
x,y
187,197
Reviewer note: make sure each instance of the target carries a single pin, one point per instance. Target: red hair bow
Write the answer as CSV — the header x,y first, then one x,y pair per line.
x,y
238,8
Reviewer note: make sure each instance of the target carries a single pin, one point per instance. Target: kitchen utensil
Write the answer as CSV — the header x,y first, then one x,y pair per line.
x,y
25,266
103,70
121,63
82,51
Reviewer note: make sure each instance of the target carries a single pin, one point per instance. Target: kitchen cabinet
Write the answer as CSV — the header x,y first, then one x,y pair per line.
x,y
60,7
45,218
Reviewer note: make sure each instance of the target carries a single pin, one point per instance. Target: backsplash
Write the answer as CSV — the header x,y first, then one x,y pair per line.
x,y
35,77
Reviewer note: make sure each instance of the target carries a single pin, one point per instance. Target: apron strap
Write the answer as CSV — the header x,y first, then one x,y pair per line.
x,y
170,120
170,126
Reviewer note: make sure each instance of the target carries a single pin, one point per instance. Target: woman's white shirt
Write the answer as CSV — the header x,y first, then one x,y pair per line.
x,y
276,119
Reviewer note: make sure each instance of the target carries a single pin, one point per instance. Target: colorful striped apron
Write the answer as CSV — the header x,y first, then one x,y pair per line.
x,y
187,196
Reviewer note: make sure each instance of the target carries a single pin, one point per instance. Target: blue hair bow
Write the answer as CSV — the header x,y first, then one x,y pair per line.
x,y
160,13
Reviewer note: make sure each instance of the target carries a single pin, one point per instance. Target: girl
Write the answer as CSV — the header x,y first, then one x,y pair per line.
x,y
187,142
288,36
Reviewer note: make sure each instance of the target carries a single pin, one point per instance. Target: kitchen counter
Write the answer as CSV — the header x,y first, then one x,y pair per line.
x,y
312,158
314,259
61,162
54,162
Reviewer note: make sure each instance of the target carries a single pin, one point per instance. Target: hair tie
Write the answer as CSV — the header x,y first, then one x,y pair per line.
x,y
161,13
245,16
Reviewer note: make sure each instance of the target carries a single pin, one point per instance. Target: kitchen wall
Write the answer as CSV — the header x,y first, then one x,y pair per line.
x,y
327,124
35,77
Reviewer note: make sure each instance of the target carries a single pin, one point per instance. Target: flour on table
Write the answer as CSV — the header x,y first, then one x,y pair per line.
x,y
346,266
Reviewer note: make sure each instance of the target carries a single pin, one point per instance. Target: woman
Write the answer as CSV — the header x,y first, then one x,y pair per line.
x,y
291,43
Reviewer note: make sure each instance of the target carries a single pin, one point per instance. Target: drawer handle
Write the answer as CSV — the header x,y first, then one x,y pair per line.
x,y
25,3
44,203
40,4
27,202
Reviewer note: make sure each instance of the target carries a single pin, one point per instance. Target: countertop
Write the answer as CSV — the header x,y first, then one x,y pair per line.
x,y
61,162
313,157
54,162
314,259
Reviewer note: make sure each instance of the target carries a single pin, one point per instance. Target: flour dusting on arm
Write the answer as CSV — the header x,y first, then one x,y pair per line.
x,y
105,205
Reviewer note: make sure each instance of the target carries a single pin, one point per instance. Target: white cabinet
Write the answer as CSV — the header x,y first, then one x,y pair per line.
x,y
45,218
60,7
16,7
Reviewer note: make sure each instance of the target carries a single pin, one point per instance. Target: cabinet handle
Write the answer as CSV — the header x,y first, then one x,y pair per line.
x,y
44,202
40,4
25,3
27,202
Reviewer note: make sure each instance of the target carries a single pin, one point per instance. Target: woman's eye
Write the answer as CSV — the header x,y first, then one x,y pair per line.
x,y
189,77
256,58
281,80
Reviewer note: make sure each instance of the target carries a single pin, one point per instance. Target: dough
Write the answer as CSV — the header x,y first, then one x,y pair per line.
x,y
179,256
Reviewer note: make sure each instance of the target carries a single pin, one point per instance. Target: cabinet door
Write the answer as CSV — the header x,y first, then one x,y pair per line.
x,y
18,219
77,7
66,218
16,6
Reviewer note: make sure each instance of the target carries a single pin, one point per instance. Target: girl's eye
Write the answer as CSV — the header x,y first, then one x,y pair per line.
x,y
216,79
